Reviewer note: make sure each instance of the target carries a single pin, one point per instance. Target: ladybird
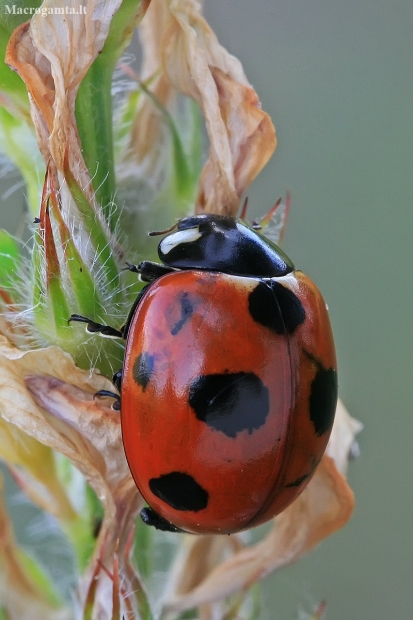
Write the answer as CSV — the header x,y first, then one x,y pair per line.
x,y
229,385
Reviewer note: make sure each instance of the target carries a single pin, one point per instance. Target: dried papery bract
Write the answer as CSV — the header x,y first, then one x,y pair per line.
x,y
324,507
52,56
185,54
251,138
146,144
46,397
101,460
31,462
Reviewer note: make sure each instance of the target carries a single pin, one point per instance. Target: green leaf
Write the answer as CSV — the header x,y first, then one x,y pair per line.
x,y
143,549
18,142
9,258
127,116
183,175
41,319
190,614
81,530
94,511
3,614
81,537
42,582
186,160
255,595
56,298
98,236
87,297
51,308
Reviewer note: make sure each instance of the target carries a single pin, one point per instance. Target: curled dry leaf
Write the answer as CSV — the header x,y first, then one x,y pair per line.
x,y
146,142
198,556
52,56
342,438
45,396
31,462
96,450
251,139
19,593
187,56
324,507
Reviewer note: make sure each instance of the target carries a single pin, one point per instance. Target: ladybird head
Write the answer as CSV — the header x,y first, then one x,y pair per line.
x,y
222,243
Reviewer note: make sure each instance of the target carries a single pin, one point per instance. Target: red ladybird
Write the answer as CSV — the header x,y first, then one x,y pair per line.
x,y
229,384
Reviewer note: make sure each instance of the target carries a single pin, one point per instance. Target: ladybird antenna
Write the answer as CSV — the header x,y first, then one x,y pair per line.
x,y
243,213
264,221
154,233
285,217
267,218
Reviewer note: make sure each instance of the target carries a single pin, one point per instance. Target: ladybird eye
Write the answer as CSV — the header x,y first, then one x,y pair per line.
x,y
191,222
180,237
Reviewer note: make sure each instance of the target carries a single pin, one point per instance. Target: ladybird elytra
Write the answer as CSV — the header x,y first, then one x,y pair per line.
x,y
229,384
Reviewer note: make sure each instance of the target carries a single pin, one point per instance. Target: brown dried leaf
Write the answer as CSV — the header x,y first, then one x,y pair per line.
x,y
48,398
189,58
197,557
52,55
342,437
324,507
251,139
31,462
197,65
146,142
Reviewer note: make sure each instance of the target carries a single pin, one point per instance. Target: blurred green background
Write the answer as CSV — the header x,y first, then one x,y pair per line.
x,y
336,77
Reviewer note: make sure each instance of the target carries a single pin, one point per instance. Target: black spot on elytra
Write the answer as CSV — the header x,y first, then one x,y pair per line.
x,y
180,491
273,305
323,399
186,312
230,402
143,369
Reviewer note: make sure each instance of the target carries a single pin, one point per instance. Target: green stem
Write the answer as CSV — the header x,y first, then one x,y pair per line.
x,y
94,107
94,121
98,235
79,534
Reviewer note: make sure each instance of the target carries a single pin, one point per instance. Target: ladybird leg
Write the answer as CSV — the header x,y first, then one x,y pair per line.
x,y
116,404
97,328
117,380
149,271
150,517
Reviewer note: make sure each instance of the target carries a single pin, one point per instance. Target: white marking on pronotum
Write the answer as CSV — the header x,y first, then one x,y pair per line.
x,y
181,236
